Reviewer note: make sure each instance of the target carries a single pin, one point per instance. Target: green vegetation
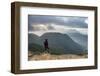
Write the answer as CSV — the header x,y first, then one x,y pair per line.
x,y
37,49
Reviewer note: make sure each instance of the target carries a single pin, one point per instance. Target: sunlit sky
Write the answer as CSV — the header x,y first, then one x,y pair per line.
x,y
39,24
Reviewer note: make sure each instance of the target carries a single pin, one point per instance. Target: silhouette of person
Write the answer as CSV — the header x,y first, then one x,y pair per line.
x,y
46,44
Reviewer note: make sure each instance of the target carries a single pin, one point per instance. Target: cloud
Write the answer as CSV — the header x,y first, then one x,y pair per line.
x,y
48,22
41,27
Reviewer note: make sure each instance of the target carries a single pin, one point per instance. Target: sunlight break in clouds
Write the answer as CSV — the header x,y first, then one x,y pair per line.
x,y
41,29
39,24
86,21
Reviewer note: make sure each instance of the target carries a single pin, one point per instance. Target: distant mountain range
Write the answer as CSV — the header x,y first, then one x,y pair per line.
x,y
81,39
58,42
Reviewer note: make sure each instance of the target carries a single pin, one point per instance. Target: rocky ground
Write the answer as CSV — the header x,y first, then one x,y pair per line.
x,y
48,56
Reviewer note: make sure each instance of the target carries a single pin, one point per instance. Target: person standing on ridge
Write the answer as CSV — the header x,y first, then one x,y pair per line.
x,y
46,44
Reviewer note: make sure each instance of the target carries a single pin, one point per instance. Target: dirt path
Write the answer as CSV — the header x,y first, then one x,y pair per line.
x,y
47,56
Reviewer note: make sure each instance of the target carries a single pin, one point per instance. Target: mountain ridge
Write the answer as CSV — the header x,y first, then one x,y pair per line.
x,y
57,41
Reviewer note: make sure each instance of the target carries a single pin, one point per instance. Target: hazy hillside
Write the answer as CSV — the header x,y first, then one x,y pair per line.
x,y
58,43
32,38
79,38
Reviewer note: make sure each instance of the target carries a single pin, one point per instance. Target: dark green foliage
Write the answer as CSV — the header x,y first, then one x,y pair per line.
x,y
35,48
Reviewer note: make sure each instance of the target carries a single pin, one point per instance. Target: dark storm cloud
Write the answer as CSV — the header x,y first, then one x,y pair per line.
x,y
44,19
74,22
